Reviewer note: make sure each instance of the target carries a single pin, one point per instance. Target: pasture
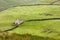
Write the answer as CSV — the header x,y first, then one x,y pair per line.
x,y
38,28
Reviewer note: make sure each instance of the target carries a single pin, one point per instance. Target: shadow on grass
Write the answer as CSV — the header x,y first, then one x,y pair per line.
x,y
14,36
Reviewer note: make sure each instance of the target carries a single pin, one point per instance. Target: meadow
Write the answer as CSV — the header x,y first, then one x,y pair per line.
x,y
37,28
5,4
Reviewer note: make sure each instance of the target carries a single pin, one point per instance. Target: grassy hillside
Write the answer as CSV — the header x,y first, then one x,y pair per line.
x,y
14,36
5,4
8,16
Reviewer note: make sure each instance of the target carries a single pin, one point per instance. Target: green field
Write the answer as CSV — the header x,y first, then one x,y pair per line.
x,y
8,16
5,4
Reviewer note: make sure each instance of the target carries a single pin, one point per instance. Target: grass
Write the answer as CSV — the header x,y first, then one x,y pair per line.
x,y
5,4
8,16
14,36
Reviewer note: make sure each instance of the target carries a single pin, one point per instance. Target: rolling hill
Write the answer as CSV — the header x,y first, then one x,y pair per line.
x,y
5,4
38,28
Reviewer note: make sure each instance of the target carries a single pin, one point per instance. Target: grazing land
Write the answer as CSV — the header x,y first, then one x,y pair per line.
x,y
50,28
5,4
